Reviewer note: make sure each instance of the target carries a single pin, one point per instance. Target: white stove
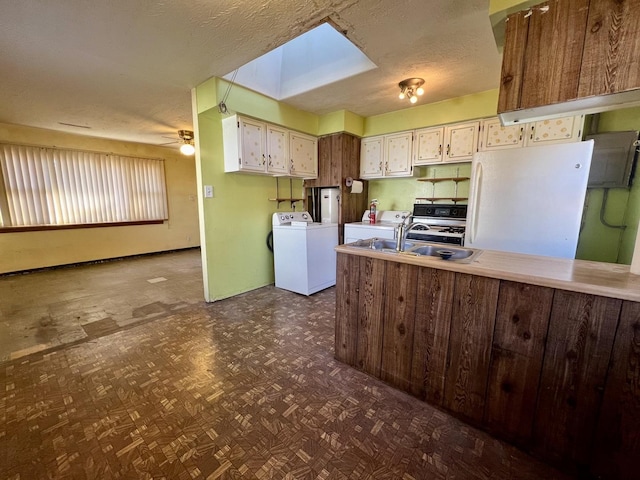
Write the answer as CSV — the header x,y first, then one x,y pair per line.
x,y
439,223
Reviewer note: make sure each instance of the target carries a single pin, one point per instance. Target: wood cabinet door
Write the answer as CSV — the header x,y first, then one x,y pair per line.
x,y
611,59
304,155
462,141
496,137
371,157
472,323
252,145
347,301
277,150
555,130
579,345
399,318
554,52
518,347
371,293
616,448
434,301
515,43
428,146
397,154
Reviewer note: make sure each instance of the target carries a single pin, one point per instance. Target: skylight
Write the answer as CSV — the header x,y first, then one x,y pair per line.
x,y
314,59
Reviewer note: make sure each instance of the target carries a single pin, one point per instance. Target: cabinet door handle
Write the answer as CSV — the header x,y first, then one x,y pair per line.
x,y
448,149
439,149
521,132
263,159
270,164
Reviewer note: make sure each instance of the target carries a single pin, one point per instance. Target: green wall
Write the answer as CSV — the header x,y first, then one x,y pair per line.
x,y
234,224
597,241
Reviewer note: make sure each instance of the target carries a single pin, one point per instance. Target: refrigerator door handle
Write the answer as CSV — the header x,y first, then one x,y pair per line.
x,y
475,201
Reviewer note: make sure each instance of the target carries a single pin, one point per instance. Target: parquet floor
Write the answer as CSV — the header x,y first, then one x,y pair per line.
x,y
242,388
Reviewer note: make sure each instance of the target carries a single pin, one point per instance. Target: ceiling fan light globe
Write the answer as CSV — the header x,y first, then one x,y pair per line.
x,y
187,149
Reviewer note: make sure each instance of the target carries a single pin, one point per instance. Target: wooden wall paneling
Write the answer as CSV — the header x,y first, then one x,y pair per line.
x,y
522,321
516,31
347,287
339,158
353,205
472,325
399,317
370,314
611,59
431,334
616,448
554,53
580,339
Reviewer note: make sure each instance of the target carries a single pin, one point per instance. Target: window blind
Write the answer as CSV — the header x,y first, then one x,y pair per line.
x,y
51,186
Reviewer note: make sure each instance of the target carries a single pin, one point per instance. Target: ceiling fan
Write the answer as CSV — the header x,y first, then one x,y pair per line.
x,y
186,141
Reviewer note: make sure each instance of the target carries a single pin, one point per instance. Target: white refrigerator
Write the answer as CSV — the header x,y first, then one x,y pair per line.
x,y
529,200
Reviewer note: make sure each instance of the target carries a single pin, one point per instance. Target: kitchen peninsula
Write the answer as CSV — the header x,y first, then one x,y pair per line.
x,y
542,352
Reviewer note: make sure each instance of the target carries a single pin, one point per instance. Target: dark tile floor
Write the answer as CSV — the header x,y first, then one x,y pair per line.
x,y
243,388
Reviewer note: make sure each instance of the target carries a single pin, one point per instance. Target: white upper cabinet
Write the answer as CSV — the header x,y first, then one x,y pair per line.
x,y
244,145
556,130
449,143
387,155
277,150
428,146
397,153
371,157
461,141
493,136
304,155
252,146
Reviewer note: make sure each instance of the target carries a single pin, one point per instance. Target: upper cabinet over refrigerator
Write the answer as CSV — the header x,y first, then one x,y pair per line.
x,y
529,200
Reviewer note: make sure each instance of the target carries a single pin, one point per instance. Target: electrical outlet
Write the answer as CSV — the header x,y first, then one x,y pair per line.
x,y
208,191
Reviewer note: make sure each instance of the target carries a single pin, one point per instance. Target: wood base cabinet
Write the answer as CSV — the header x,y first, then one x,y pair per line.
x,y
552,371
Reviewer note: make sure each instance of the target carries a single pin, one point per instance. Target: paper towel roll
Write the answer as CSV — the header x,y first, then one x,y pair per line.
x,y
356,187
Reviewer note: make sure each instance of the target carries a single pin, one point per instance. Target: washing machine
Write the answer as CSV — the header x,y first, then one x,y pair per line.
x,y
304,256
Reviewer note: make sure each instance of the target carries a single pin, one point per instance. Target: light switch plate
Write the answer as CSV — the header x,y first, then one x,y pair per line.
x,y
208,191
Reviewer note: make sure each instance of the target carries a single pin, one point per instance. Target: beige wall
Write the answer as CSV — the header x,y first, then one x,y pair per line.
x,y
28,250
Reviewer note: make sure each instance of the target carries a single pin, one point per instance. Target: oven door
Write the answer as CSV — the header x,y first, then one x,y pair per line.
x,y
434,237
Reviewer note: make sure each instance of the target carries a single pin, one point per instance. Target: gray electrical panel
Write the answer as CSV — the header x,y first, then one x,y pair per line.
x,y
613,161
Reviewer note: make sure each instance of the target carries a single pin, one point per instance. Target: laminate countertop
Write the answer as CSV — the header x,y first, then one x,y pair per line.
x,y
596,278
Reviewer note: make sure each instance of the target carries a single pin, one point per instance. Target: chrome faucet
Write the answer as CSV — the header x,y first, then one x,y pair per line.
x,y
403,229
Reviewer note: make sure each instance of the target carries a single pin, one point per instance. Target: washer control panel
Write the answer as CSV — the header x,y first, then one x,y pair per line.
x,y
285,218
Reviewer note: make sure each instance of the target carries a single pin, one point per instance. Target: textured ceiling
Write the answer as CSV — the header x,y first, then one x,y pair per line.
x,y
123,69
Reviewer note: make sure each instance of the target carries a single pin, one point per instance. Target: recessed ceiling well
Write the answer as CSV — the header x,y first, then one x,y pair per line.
x,y
314,59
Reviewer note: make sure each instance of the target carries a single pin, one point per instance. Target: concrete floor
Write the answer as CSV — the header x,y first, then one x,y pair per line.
x,y
49,308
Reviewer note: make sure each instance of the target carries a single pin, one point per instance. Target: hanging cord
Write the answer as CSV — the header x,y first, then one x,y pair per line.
x,y
222,106
603,207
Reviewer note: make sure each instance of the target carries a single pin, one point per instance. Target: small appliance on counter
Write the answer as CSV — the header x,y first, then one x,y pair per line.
x,y
384,227
444,223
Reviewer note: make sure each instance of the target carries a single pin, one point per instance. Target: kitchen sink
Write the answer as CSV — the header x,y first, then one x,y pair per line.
x,y
382,244
445,252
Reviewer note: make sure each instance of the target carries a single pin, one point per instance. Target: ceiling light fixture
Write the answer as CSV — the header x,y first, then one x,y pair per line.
x,y
411,88
186,137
